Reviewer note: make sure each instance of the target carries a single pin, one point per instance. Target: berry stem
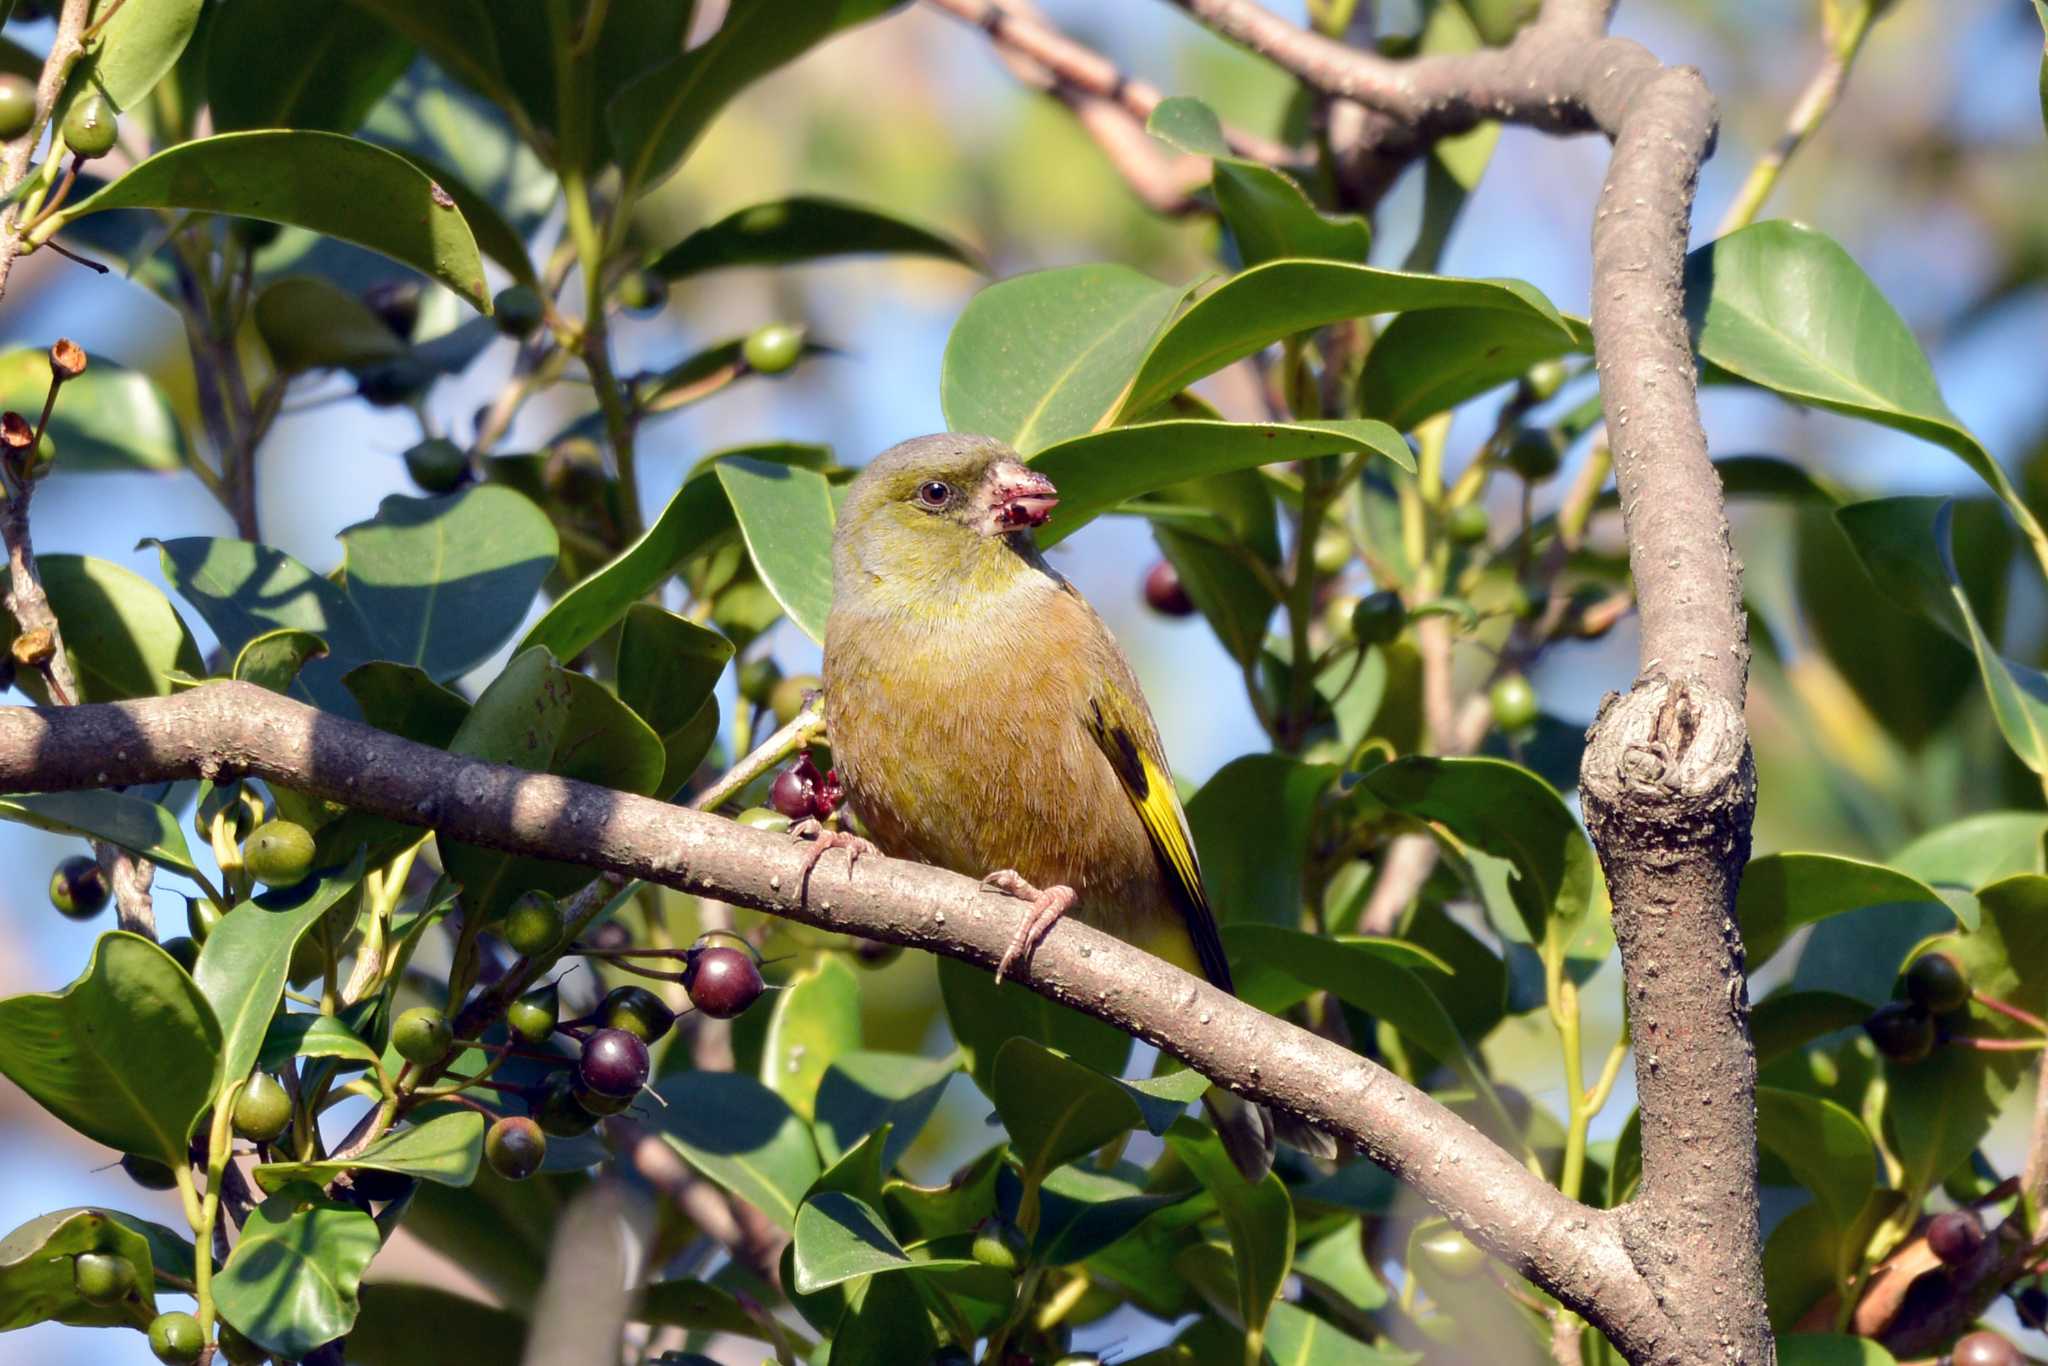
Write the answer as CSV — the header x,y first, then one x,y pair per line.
x,y
2010,1011
1999,1045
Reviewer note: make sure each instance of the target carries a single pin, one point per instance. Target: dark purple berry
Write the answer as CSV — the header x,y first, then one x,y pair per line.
x,y
78,889
1938,982
515,1147
379,1186
614,1063
557,1112
1165,593
722,982
1956,1235
1902,1031
794,794
2031,1305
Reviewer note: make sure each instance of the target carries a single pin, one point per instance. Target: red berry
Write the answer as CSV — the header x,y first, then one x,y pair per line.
x,y
1956,1235
722,982
1165,593
1985,1349
614,1063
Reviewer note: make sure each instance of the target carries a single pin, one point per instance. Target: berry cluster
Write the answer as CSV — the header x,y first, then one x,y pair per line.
x,y
1938,990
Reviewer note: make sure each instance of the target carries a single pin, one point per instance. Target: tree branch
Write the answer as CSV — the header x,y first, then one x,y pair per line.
x,y
65,50
224,730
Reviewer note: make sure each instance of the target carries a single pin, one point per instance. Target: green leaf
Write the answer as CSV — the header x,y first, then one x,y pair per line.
x,y
1506,811
309,64
816,1017
743,1136
1977,849
390,1315
127,1055
309,323
1258,307
698,1306
1251,826
337,186
785,513
405,701
128,822
495,235
1295,1337
543,718
839,1239
985,1017
290,1284
802,228
668,666
1096,472
310,1036
273,660
1825,1147
242,965
134,51
122,637
36,1277
1831,1349
1230,598
862,1091
660,115
1042,358
109,418
1258,1215
1783,306
1782,892
1268,215
886,1325
444,582
1787,1020
445,1149
1335,1267
1056,1109
1427,363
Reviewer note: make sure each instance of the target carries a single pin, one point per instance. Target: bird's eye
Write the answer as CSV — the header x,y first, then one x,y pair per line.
x,y
934,493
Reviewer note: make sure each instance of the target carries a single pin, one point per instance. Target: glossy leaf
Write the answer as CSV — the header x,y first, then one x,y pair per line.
x,y
311,324
134,51
816,1018
36,1277
405,701
785,513
110,418
445,1149
1268,215
389,1316
121,635
1258,1215
1825,1147
1042,358
668,666
309,64
1788,1020
1831,1349
290,1284
243,964
1295,1337
1251,826
802,228
1258,307
310,1036
336,186
1098,471
839,1239
698,1306
743,1136
1783,306
127,1055
273,660
1234,603
1782,892
1055,1109
887,1324
659,116
1429,362
1335,1267
120,818
1977,849
985,1017
861,1091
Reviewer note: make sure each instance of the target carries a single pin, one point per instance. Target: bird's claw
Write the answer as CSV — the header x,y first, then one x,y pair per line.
x,y
823,840
1047,907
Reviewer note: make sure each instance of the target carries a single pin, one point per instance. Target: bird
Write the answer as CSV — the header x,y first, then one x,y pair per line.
x,y
983,719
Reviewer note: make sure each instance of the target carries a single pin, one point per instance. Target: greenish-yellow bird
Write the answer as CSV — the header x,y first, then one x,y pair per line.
x,y
983,718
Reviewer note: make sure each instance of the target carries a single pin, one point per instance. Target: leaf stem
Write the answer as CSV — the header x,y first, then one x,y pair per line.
x,y
219,1146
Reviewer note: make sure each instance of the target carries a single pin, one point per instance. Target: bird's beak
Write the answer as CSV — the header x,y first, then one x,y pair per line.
x,y
1023,497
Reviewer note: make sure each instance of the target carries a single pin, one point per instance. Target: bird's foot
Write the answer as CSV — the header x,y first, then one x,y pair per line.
x,y
1047,907
824,840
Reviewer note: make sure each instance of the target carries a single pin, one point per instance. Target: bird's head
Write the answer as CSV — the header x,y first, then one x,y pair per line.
x,y
939,510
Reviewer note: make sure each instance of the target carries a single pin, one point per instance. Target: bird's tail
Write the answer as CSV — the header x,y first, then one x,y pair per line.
x,y
1248,1132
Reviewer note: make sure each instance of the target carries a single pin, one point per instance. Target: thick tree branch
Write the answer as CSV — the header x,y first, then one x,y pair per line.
x,y
223,730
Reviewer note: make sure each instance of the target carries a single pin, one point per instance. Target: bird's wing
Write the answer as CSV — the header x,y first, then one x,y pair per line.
x,y
1118,721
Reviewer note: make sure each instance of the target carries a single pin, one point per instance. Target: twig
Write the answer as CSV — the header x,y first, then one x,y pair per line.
x,y
65,50
1814,104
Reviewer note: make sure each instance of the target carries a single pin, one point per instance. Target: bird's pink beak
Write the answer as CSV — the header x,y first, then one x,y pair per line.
x,y
1023,497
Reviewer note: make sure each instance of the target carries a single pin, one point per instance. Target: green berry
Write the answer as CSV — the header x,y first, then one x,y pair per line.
x,y
201,915
638,1011
422,1035
1451,1253
998,1243
533,1016
642,292
255,233
17,105
176,1338
773,347
102,1278
1514,702
437,464
91,127
1543,379
1467,524
534,924
264,1109
1534,455
1938,982
238,1350
515,1147
1378,618
393,382
761,818
574,474
518,310
1332,551
758,678
78,889
148,1173
279,853
786,698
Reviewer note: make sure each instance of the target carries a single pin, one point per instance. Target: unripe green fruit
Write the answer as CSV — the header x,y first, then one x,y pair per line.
x,y
533,1016
148,1173
238,1350
786,698
998,1243
641,291
437,464
1543,379
1452,1253
515,1147
1534,455
102,1278
758,678
772,348
422,1035
518,310
761,818
1514,702
279,853
264,1109
17,105
1938,982
574,474
91,127
1467,524
176,1338
1378,618
638,1011
1332,551
201,915
393,383
78,889
534,924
